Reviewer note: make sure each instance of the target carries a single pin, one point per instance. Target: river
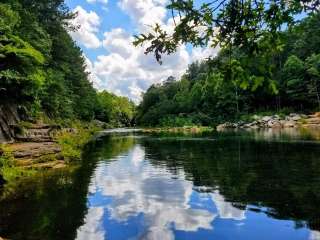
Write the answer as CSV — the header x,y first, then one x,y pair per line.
x,y
131,185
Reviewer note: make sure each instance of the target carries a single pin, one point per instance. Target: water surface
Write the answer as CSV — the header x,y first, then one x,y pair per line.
x,y
261,185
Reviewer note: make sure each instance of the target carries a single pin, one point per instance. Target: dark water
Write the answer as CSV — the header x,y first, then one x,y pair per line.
x,y
241,186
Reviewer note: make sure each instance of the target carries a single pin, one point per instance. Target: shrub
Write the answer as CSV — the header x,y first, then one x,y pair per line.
x,y
173,121
73,139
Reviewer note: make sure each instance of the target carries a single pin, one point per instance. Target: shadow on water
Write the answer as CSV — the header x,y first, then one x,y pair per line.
x,y
281,177
175,186
53,205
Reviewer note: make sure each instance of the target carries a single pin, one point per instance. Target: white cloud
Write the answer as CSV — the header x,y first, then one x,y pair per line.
x,y
225,209
88,26
92,228
124,69
118,41
314,235
98,1
89,68
127,71
145,12
199,54
138,187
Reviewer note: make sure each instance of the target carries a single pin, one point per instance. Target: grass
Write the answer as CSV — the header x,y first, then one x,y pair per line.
x,y
185,129
72,140
7,165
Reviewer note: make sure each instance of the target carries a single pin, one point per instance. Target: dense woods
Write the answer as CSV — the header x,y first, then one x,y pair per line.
x,y
281,76
42,69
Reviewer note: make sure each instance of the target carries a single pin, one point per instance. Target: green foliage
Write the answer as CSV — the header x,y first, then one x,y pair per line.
x,y
294,73
224,22
7,165
116,110
237,83
173,121
6,157
313,70
21,71
43,69
73,140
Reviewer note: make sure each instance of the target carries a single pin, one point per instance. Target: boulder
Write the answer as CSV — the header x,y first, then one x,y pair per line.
x,y
289,124
266,118
254,127
290,121
296,118
315,115
99,123
313,120
226,125
274,124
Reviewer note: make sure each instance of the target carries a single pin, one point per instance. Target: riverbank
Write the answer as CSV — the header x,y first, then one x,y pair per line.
x,y
41,147
182,130
253,122
293,120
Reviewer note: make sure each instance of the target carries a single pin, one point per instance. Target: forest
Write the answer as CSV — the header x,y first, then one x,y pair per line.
x,y
227,150
43,71
282,76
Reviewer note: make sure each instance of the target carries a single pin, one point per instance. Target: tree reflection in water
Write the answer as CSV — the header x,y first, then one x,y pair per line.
x,y
165,187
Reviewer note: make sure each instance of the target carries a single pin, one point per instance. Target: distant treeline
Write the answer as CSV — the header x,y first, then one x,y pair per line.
x,y
281,75
43,70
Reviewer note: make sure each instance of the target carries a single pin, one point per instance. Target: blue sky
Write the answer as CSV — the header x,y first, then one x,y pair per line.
x,y
105,36
111,17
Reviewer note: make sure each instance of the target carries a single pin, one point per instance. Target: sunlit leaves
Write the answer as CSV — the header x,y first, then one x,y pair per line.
x,y
13,45
8,18
224,22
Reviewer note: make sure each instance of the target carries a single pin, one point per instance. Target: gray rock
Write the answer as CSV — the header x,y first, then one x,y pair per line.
x,y
287,118
289,124
266,118
274,124
223,126
99,123
295,118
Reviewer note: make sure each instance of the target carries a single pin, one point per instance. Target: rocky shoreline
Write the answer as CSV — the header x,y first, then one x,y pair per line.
x,y
35,147
292,120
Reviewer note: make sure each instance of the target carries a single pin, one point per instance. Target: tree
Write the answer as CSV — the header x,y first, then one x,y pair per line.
x,y
116,110
41,67
224,22
293,72
236,82
313,70
21,73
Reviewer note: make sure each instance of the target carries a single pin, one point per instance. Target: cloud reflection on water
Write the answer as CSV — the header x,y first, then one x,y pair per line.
x,y
137,187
